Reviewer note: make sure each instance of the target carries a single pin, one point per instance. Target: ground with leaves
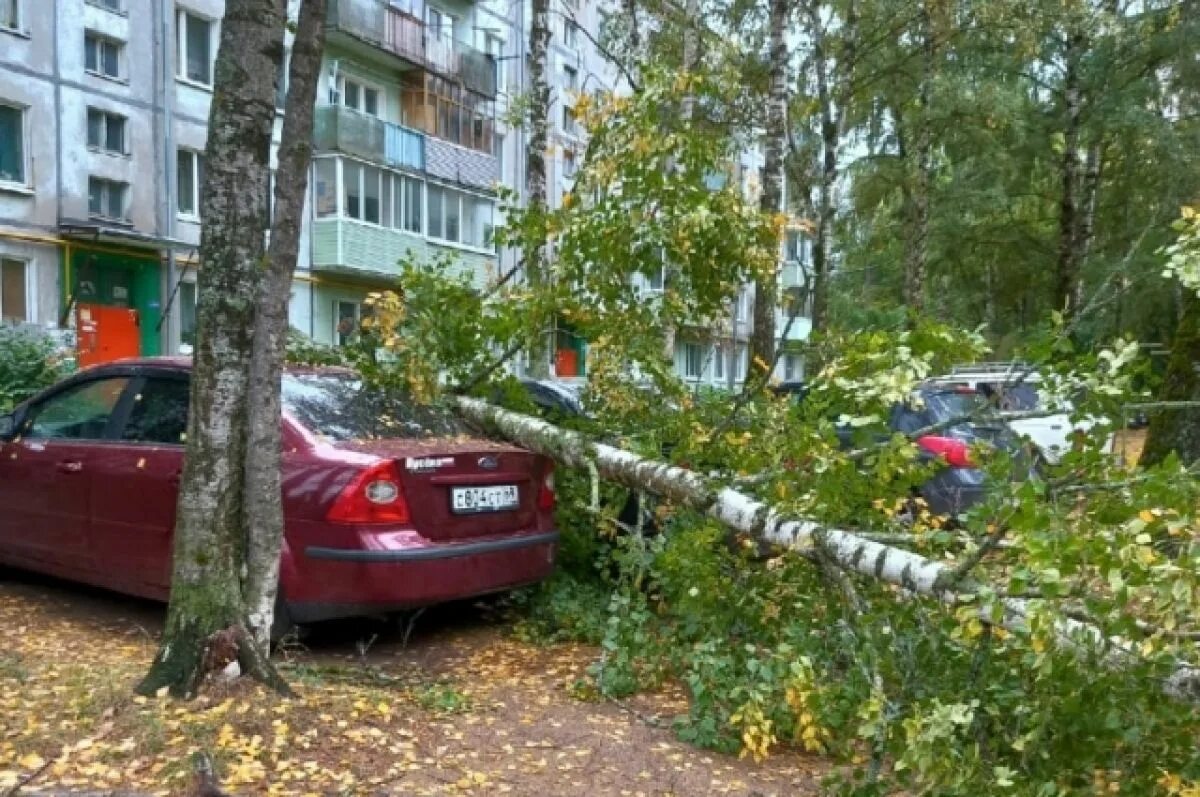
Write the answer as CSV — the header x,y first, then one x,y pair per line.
x,y
463,709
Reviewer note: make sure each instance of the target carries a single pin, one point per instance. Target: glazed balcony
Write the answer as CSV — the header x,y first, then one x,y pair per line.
x,y
338,129
401,32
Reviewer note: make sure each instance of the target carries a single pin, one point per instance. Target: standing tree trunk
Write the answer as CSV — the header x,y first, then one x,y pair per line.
x,y
535,254
207,617
263,504
1066,293
828,174
766,286
1178,430
917,250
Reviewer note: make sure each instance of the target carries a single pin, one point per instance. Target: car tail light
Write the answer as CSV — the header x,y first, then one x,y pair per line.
x,y
373,496
955,452
546,498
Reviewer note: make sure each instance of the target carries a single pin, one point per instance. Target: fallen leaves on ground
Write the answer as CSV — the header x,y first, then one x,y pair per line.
x,y
479,714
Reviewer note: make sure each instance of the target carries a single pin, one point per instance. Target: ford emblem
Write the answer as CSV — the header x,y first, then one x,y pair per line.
x,y
489,463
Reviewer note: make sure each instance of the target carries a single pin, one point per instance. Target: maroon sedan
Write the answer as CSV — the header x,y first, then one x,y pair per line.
x,y
388,505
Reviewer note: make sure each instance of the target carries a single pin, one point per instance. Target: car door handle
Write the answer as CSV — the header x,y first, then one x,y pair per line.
x,y
70,466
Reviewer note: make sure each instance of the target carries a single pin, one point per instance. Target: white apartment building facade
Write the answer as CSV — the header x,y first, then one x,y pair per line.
x,y
103,119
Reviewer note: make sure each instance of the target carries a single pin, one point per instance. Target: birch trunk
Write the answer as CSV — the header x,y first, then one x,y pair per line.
x,y
917,254
744,514
209,547
535,254
766,286
822,241
1069,238
263,504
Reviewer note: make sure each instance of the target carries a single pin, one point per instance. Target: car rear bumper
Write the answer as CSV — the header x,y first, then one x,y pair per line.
x,y
330,583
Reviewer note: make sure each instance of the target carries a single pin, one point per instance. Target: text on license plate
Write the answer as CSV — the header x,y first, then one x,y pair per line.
x,y
465,500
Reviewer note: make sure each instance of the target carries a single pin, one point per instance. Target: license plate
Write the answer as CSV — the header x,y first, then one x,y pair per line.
x,y
469,500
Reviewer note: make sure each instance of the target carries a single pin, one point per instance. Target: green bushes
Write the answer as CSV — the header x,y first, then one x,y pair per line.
x,y
30,360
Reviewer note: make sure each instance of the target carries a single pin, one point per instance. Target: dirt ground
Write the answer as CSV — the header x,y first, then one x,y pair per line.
x,y
462,708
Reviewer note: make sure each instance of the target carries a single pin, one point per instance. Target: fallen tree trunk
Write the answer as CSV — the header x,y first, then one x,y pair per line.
x,y
762,523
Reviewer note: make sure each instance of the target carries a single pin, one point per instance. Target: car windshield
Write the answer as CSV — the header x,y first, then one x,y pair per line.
x,y
1010,398
943,406
341,407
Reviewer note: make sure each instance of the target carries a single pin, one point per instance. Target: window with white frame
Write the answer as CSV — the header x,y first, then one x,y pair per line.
x,y
189,176
10,14
12,144
718,361
570,33
656,279
740,362
568,164
693,361
458,216
102,55
742,305
360,96
325,187
15,306
194,48
347,317
107,199
106,131
571,84
111,5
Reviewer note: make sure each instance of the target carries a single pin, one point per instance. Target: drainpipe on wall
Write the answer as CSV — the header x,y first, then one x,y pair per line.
x,y
166,204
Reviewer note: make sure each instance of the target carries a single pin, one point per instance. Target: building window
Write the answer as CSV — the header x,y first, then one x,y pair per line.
x,y
412,204
440,25
793,367
325,187
435,197
12,144
793,247
445,109
14,291
693,361
190,179
718,360
347,317
459,217
101,56
106,131
656,279
740,362
111,5
10,14
570,33
193,48
568,164
358,96
107,198
742,305
494,46
187,313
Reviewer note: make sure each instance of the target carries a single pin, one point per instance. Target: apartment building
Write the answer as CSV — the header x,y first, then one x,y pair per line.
x,y
103,119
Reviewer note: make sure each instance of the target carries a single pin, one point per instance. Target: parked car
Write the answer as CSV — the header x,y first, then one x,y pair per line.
x,y
387,505
959,485
1013,387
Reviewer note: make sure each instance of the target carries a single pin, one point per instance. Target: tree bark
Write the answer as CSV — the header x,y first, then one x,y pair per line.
x,y
209,546
1179,430
917,250
263,504
1066,294
535,254
822,240
766,286
762,523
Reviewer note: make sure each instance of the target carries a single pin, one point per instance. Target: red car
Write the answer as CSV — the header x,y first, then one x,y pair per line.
x,y
388,506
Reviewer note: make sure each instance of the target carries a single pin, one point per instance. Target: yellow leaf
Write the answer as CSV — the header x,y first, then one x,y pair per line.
x,y
1146,515
31,761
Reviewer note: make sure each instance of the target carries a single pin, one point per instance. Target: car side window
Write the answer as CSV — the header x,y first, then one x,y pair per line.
x,y
159,413
81,412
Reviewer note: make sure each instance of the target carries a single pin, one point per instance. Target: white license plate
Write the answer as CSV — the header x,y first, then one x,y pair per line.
x,y
469,500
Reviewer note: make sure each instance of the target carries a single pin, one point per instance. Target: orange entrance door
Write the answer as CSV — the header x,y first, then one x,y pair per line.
x,y
106,333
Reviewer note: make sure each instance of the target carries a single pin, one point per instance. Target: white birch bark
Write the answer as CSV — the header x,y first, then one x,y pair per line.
x,y
742,513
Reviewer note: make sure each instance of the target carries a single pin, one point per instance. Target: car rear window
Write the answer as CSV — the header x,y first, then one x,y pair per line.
x,y
943,406
341,407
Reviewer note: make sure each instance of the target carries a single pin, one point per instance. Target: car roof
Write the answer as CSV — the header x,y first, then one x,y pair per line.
x,y
184,363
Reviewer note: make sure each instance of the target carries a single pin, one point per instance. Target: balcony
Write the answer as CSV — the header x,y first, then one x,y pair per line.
x,y
338,129
352,248
401,32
